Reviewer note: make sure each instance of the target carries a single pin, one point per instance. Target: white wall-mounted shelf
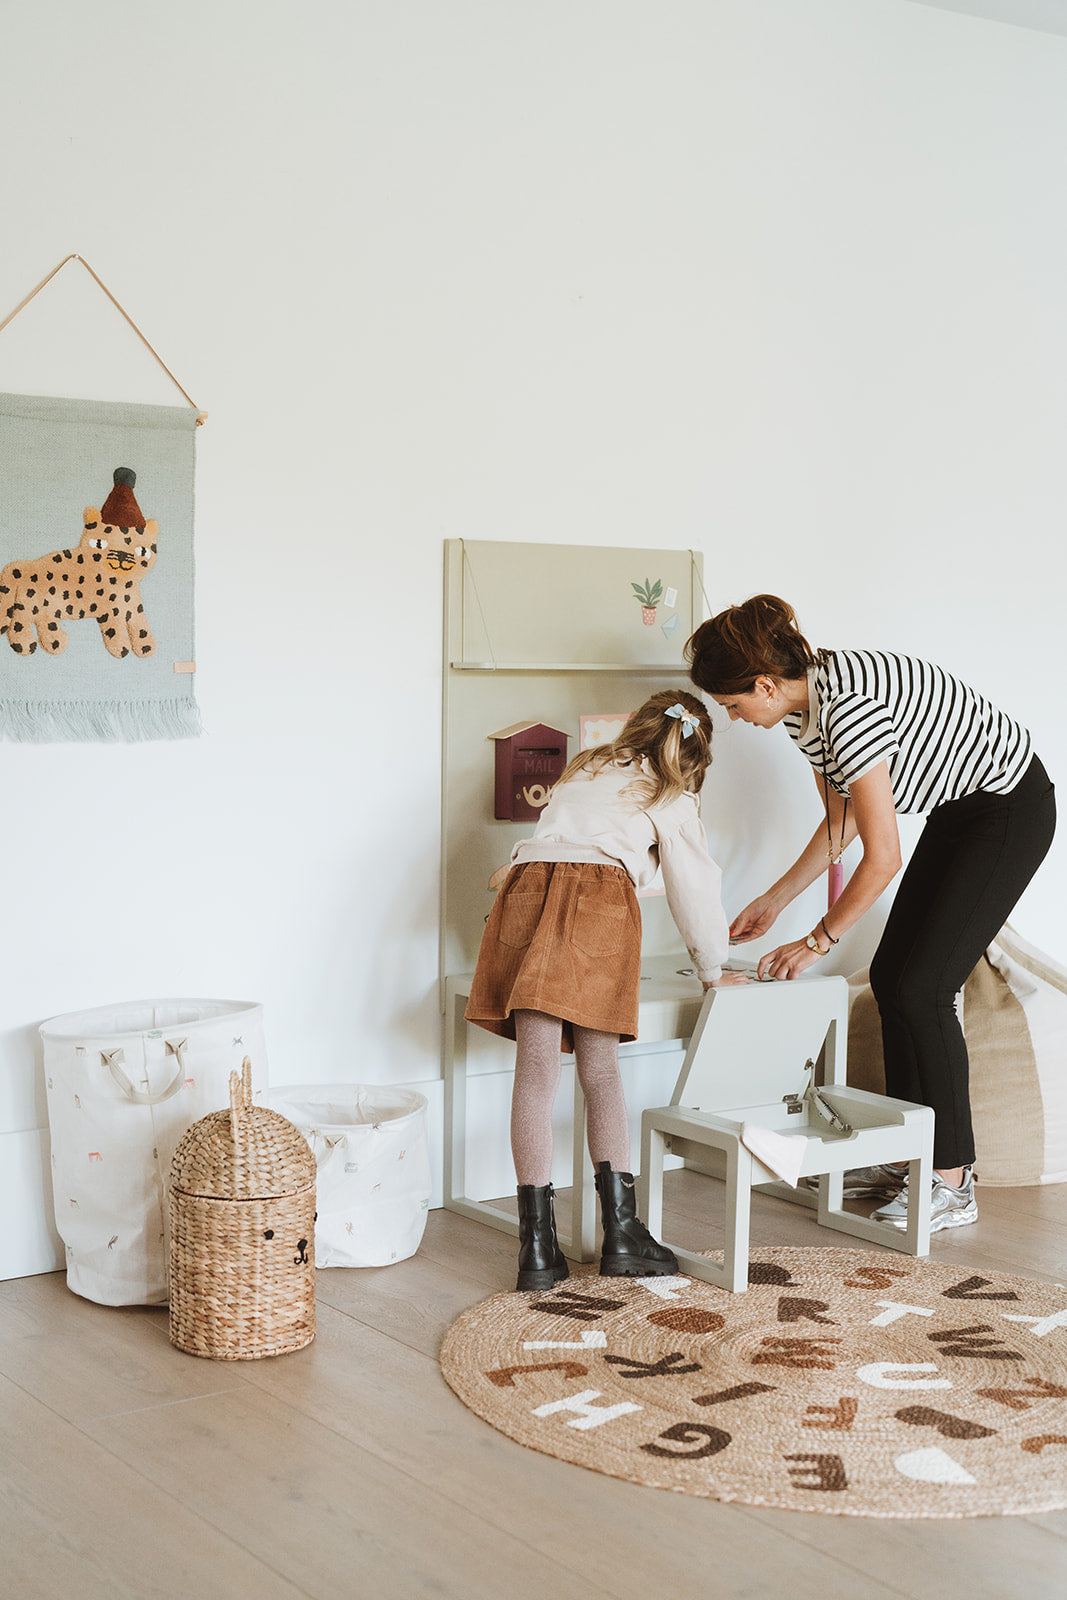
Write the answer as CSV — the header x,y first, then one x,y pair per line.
x,y
653,669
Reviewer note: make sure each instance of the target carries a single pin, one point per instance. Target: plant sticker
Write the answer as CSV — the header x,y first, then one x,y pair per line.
x,y
649,594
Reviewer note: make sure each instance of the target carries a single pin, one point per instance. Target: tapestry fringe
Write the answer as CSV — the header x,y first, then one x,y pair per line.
x,y
44,721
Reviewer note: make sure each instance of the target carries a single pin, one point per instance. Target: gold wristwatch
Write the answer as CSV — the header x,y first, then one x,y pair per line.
x,y
813,944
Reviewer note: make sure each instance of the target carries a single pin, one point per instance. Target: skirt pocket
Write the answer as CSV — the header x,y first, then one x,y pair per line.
x,y
519,916
599,923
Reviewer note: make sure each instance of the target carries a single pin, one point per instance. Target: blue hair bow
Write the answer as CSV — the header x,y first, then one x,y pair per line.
x,y
690,719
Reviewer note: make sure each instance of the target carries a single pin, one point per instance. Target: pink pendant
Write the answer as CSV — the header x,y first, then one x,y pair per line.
x,y
835,882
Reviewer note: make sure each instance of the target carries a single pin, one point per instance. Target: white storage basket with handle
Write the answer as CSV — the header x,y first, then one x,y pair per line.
x,y
373,1161
123,1083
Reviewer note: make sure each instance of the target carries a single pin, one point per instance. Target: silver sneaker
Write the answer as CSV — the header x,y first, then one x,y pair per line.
x,y
876,1183
949,1208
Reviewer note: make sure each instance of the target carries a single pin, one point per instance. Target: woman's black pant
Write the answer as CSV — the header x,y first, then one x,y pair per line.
x,y
974,858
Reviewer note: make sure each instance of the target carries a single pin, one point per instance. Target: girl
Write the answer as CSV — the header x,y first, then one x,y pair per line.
x,y
560,960
888,733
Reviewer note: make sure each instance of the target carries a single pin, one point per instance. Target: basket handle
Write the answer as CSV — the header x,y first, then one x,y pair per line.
x,y
329,1152
143,1097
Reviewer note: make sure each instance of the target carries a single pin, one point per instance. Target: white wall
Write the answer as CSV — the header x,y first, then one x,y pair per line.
x,y
780,281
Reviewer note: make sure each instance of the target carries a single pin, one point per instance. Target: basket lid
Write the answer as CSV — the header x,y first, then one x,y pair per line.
x,y
245,1153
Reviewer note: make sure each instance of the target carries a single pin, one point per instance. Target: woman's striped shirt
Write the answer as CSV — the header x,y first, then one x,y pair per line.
x,y
941,739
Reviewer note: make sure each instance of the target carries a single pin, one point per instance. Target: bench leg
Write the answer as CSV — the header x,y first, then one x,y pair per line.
x,y
920,1180
650,1181
738,1216
580,1245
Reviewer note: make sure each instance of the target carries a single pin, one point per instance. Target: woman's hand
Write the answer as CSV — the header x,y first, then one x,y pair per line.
x,y
754,921
729,980
788,961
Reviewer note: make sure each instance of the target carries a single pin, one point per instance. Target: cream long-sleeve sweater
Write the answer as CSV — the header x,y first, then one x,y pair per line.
x,y
592,818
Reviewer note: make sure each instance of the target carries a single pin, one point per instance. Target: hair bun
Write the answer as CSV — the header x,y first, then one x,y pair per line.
x,y
728,652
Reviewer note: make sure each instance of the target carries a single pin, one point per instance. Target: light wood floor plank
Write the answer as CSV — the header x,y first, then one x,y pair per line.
x,y
488,1260
977,1557
86,1361
414,1307
77,1522
330,1516
1053,1522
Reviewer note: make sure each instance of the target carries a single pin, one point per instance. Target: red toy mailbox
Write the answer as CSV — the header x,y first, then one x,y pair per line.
x,y
529,759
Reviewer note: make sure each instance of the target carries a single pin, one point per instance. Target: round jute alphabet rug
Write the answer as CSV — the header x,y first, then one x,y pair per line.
x,y
844,1381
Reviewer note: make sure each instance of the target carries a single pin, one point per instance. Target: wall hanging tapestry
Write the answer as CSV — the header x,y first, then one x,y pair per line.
x,y
96,586
843,1381
96,565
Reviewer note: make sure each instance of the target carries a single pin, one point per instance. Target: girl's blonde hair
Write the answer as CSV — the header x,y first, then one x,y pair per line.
x,y
677,764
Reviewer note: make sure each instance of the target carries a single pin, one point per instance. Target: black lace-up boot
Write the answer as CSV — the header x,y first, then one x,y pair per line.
x,y
541,1261
629,1250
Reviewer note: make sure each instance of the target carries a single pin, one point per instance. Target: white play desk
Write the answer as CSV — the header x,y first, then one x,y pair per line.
x,y
669,1006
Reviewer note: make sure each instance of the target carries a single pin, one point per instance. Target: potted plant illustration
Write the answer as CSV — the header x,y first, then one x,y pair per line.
x,y
650,595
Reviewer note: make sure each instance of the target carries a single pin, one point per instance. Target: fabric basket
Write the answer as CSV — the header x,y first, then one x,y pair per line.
x,y
124,1082
1014,1013
373,1163
242,1217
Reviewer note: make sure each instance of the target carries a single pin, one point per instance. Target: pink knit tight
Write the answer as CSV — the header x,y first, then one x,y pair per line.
x,y
537,1073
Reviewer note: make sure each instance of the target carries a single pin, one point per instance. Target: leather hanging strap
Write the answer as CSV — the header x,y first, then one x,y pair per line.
x,y
201,416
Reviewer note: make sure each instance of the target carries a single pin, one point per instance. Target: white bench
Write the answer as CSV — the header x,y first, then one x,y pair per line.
x,y
749,1062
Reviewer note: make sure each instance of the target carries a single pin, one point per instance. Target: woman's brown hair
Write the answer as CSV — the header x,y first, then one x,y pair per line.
x,y
677,763
759,637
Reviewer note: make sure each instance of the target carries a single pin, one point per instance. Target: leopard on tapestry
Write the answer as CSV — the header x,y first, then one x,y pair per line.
x,y
99,579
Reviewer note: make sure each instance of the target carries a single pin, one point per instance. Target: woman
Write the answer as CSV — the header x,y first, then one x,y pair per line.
x,y
887,733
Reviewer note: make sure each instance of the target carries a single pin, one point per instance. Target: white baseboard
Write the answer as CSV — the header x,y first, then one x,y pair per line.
x,y
29,1243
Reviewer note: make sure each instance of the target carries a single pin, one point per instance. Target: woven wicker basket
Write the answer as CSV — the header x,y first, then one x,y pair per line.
x,y
242,1219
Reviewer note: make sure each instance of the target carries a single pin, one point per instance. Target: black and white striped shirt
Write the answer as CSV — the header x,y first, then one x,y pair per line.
x,y
941,739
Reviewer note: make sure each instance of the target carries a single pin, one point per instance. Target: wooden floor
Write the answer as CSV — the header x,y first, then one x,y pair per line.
x,y
350,1469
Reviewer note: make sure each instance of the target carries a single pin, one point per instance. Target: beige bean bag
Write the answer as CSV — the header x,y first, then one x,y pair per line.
x,y
1015,1024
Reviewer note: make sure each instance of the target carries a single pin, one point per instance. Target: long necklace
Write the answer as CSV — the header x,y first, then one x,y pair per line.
x,y
830,854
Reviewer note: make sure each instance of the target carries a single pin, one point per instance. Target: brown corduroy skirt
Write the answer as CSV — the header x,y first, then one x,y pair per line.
x,y
564,938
